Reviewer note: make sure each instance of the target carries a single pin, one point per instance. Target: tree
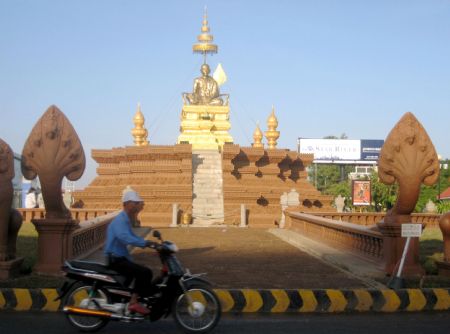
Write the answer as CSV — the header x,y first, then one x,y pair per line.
x,y
383,196
432,192
342,188
327,175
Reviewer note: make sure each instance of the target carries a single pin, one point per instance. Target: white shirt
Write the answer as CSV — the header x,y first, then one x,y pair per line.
x,y
30,201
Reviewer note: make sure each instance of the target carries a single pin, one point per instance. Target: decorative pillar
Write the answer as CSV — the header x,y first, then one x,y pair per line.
x,y
257,138
174,215
272,134
139,132
243,216
53,151
284,206
408,158
54,244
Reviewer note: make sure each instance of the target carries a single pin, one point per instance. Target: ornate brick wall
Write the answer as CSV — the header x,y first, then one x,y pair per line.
x,y
257,177
161,174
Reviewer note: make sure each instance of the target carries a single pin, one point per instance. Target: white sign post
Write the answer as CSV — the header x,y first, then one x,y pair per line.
x,y
408,231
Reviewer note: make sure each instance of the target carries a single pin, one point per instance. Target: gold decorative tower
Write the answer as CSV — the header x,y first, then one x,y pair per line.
x,y
139,132
272,134
204,45
257,137
205,114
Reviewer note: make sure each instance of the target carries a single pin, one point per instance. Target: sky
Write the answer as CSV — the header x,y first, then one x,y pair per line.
x,y
327,66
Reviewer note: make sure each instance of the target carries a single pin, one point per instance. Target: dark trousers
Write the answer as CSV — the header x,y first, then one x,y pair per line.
x,y
142,275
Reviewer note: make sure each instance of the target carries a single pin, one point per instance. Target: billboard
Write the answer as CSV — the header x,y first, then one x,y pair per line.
x,y
331,149
361,192
370,149
343,151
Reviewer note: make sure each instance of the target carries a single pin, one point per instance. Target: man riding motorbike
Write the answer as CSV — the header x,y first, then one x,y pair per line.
x,y
119,236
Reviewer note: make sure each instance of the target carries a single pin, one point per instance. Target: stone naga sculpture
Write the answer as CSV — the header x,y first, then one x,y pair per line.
x,y
7,247
52,151
408,157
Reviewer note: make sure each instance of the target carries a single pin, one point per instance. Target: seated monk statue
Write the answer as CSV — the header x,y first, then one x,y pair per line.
x,y
206,89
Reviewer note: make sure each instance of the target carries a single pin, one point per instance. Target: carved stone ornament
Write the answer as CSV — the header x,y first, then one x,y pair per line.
x,y
52,151
409,158
6,195
340,203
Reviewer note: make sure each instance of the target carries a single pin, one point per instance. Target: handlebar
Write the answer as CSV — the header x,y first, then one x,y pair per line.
x,y
159,246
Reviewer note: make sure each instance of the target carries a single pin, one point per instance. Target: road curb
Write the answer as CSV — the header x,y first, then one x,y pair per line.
x,y
274,300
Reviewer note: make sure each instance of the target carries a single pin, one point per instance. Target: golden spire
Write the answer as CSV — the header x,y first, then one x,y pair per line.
x,y
272,134
139,132
204,45
257,137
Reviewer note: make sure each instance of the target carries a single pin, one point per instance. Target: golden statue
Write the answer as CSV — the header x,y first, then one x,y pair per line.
x,y
206,90
205,119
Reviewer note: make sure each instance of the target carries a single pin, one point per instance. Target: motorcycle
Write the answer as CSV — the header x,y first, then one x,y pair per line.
x,y
93,294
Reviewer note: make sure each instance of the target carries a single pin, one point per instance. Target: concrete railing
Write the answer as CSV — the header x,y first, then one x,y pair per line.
x,y
371,218
90,235
351,237
77,214
29,214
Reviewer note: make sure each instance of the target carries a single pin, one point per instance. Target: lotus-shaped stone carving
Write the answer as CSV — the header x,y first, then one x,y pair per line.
x,y
52,151
408,157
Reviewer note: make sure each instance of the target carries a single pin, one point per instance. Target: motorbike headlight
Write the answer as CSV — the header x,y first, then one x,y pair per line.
x,y
170,246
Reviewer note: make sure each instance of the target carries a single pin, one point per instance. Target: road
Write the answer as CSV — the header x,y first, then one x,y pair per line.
x,y
367,323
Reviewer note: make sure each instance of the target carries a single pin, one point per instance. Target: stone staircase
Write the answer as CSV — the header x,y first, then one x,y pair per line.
x,y
207,203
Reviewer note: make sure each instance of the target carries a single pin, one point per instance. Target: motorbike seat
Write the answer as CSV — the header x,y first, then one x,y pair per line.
x,y
93,266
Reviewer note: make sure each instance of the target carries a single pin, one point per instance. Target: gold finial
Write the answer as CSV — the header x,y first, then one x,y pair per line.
x,y
257,137
272,134
204,45
139,132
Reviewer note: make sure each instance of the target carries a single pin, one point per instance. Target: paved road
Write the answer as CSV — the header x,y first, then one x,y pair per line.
x,y
396,323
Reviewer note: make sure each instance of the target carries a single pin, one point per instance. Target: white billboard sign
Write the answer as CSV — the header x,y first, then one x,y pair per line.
x,y
331,149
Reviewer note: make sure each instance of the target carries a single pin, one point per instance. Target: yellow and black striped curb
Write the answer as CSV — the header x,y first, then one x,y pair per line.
x,y
274,301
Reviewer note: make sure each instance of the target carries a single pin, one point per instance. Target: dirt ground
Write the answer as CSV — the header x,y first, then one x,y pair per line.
x,y
248,258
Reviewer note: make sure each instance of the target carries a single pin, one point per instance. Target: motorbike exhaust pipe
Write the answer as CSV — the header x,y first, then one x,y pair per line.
x,y
87,312
100,313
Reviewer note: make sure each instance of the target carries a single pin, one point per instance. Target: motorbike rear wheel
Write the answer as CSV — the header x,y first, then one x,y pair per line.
x,y
82,295
197,310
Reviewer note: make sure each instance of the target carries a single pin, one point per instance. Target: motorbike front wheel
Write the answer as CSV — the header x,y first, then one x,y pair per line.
x,y
84,296
197,310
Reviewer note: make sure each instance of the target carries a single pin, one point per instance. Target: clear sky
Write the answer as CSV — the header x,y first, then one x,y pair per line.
x,y
328,67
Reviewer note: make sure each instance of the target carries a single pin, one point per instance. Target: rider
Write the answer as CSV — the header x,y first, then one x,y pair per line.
x,y
119,236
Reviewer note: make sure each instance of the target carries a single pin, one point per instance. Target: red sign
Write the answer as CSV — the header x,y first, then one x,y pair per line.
x,y
361,192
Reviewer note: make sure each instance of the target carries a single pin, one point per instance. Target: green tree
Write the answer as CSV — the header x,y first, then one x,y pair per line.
x,y
432,192
383,196
324,176
342,188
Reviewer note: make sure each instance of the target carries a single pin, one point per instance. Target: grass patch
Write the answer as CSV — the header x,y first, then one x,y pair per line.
x,y
27,247
431,249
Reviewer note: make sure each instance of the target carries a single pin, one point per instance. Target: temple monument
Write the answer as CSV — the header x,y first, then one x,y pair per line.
x,y
205,176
